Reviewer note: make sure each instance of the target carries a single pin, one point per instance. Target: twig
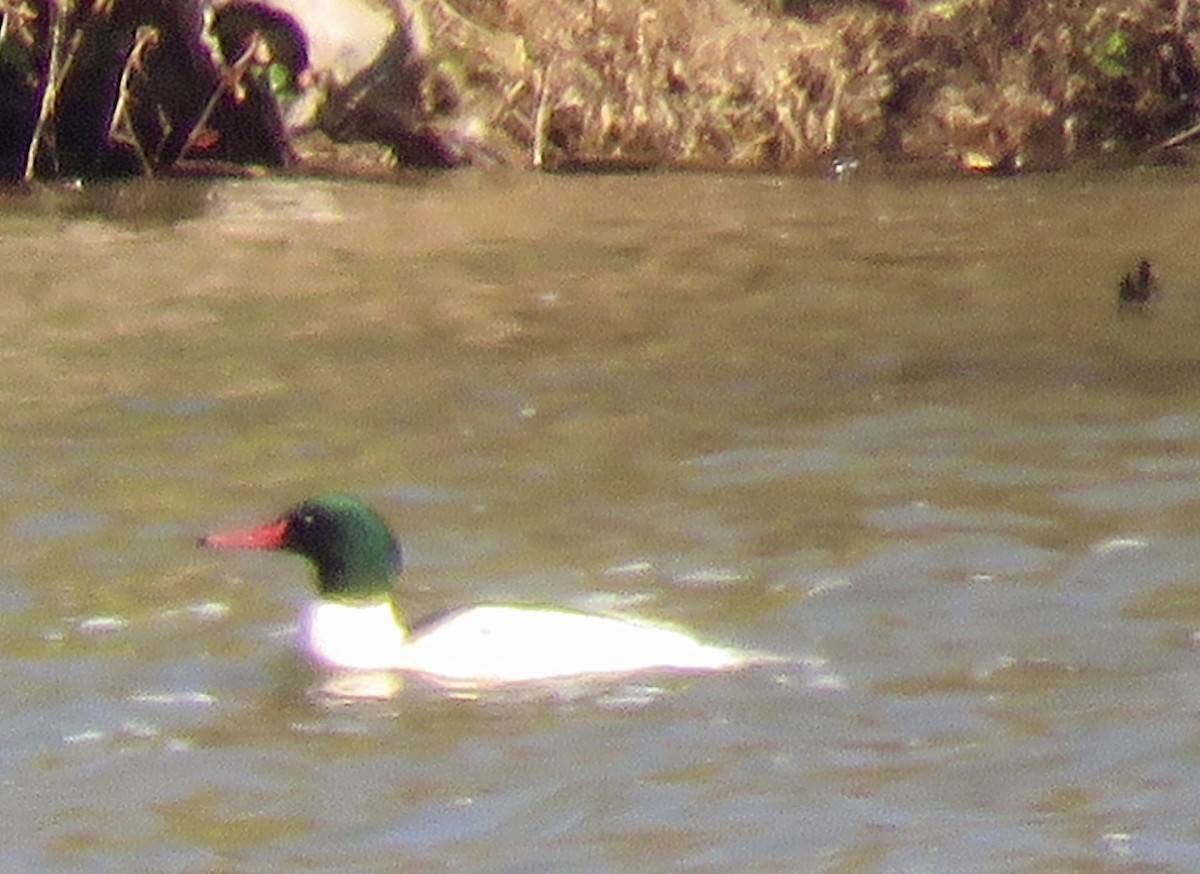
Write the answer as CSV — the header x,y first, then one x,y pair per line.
x,y
10,10
541,119
230,78
1178,139
61,61
833,115
120,126
49,88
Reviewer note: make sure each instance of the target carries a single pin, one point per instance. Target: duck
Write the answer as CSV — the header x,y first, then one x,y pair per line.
x,y
354,623
1139,286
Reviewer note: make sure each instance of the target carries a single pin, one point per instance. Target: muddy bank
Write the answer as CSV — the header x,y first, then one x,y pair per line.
x,y
357,86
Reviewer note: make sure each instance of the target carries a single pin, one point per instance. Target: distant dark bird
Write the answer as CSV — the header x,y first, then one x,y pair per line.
x,y
1139,286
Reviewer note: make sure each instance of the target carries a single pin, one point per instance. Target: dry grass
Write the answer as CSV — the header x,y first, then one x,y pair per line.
x,y
706,83
982,84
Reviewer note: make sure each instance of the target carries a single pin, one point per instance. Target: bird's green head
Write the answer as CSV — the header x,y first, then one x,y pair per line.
x,y
352,549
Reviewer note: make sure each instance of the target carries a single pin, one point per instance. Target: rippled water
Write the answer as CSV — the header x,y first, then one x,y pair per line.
x,y
899,426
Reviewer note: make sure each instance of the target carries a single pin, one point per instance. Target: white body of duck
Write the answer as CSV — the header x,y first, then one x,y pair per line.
x,y
498,644
355,624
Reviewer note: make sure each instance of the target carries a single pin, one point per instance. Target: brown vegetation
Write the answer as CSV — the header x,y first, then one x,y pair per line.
x,y
93,86
980,84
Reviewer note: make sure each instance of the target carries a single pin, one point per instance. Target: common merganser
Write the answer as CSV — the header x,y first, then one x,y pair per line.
x,y
355,624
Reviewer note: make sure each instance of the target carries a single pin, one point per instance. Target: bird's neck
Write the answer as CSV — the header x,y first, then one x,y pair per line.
x,y
365,633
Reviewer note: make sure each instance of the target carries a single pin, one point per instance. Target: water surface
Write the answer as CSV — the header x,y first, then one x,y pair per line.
x,y
899,426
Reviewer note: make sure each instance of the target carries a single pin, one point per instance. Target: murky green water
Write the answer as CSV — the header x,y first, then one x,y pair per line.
x,y
896,425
